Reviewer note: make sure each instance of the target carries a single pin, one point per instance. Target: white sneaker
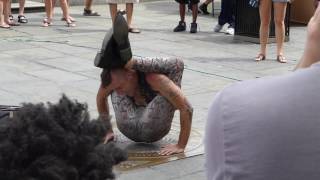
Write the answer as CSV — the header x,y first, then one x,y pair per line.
x,y
230,31
217,28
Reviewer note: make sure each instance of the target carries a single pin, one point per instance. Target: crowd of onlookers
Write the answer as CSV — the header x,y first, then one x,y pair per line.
x,y
226,16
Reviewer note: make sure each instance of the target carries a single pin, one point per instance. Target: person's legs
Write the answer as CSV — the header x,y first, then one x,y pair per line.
x,y
156,119
129,11
49,13
3,24
113,11
265,16
87,4
223,17
182,24
279,15
194,26
21,6
48,7
171,67
230,16
127,115
65,11
140,123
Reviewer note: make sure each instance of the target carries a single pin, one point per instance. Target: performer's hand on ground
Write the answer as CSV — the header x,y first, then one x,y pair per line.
x,y
171,149
109,137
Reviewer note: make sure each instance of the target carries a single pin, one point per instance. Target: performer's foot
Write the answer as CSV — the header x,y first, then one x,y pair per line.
x,y
108,57
120,34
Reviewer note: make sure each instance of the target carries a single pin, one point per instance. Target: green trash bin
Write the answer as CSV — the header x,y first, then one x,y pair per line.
x,y
247,23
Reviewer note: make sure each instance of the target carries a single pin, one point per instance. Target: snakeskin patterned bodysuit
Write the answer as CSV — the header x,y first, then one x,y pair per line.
x,y
151,122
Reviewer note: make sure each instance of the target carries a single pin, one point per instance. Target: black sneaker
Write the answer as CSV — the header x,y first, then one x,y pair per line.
x,y
193,28
203,9
181,27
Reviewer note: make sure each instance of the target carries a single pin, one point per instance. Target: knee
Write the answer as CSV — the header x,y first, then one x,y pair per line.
x,y
265,22
279,22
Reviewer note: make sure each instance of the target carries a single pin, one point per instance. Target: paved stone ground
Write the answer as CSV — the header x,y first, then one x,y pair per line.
x,y
39,64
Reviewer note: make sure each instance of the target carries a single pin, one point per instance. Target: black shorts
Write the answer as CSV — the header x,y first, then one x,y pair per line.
x,y
187,1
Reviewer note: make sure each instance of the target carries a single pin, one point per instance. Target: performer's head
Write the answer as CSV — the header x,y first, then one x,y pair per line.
x,y
121,80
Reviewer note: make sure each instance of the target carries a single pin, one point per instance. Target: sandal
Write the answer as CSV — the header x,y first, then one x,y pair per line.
x,y
70,23
13,23
22,19
260,57
5,26
70,18
134,30
281,59
88,12
46,22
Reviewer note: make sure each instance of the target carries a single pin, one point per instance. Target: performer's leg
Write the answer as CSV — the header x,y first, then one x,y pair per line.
x,y
172,67
127,115
143,124
156,120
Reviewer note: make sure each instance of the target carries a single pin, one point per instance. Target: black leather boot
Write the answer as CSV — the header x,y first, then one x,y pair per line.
x,y
109,56
120,34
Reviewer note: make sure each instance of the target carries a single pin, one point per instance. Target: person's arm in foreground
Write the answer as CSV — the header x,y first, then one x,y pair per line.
x,y
174,95
312,48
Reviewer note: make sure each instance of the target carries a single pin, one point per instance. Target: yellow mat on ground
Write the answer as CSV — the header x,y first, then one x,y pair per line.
x,y
146,154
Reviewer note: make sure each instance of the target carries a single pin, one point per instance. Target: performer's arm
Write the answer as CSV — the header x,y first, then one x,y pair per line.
x,y
103,108
173,93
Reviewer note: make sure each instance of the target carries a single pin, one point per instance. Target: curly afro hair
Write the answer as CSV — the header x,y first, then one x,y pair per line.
x,y
56,142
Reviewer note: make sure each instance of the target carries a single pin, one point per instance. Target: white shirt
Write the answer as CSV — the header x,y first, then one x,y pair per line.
x,y
266,129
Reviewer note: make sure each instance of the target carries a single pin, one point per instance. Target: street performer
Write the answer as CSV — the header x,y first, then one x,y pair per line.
x,y
145,92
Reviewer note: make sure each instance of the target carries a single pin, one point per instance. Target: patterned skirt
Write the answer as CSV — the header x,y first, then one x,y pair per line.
x,y
121,1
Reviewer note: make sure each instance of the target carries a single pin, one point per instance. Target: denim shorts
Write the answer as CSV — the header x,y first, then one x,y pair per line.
x,y
281,1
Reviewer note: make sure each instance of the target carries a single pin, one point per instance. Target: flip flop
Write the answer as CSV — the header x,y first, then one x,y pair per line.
x,y
281,59
46,23
5,27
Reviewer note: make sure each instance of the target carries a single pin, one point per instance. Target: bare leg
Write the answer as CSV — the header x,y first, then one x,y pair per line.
x,y
129,9
65,11
2,18
194,12
279,15
113,11
49,8
265,16
87,4
172,67
21,6
182,10
7,10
